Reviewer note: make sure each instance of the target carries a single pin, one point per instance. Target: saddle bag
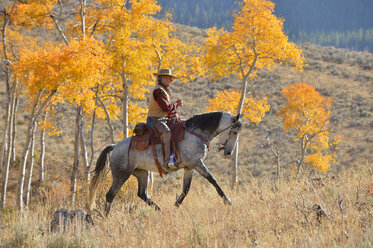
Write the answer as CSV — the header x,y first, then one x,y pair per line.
x,y
141,142
140,129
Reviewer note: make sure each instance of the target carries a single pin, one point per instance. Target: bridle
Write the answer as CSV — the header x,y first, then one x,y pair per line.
x,y
232,127
221,146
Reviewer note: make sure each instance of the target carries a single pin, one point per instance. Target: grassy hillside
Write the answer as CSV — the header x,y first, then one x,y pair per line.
x,y
264,212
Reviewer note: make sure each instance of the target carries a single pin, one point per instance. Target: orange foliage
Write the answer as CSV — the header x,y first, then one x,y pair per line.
x,y
34,13
71,70
306,110
308,113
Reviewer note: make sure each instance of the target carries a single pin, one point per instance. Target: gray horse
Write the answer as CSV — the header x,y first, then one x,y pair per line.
x,y
200,130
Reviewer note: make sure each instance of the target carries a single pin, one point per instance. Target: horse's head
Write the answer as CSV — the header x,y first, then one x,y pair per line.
x,y
229,134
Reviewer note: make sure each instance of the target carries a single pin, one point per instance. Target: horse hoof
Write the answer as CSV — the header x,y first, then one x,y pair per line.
x,y
227,201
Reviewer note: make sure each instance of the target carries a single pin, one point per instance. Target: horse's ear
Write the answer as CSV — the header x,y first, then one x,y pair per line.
x,y
238,117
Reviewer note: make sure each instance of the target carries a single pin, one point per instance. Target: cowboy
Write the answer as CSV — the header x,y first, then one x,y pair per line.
x,y
161,109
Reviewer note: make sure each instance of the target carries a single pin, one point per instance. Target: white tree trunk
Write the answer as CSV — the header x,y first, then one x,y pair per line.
x,y
239,111
125,106
83,4
8,135
34,116
243,96
14,134
31,165
26,150
88,169
303,148
4,145
234,180
83,145
74,175
235,166
3,150
42,152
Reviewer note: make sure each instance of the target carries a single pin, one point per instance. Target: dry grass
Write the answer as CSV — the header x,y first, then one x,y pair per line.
x,y
263,214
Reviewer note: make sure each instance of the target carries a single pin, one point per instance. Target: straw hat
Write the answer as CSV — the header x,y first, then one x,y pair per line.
x,y
164,72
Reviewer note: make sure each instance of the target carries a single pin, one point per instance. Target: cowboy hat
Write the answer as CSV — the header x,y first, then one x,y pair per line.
x,y
164,72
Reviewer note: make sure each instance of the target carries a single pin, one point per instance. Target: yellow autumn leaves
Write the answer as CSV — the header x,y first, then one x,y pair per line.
x,y
71,70
308,113
256,41
254,109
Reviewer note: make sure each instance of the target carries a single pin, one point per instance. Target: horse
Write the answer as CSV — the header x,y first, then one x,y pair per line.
x,y
200,130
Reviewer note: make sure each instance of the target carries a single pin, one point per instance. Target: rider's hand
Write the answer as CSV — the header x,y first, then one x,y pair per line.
x,y
179,103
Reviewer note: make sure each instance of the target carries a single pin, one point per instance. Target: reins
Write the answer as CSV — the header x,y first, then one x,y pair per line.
x,y
230,126
198,136
205,140
208,142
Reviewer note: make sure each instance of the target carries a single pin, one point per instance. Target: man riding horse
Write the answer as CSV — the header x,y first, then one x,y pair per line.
x,y
200,129
161,109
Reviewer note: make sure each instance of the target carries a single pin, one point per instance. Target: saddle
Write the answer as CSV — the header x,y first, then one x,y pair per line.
x,y
145,136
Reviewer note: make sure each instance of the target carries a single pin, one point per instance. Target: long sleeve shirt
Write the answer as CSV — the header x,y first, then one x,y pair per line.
x,y
161,98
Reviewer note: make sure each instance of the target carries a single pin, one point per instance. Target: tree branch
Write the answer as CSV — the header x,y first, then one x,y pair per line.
x,y
94,26
108,119
59,29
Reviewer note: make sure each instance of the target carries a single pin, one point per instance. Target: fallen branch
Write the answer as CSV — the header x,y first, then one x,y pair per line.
x,y
317,208
304,212
320,212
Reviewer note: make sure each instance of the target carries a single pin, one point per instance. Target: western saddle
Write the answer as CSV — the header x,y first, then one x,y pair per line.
x,y
145,136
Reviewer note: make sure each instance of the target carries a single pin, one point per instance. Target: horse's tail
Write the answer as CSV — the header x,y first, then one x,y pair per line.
x,y
99,175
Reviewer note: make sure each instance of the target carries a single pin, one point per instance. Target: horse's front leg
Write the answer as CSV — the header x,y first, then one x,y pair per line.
x,y
204,171
188,175
142,178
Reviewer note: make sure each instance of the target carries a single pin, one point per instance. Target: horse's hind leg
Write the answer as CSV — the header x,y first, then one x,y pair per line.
x,y
204,171
188,175
118,182
142,178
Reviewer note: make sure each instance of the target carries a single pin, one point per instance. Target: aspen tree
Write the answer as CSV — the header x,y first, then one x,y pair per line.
x,y
257,40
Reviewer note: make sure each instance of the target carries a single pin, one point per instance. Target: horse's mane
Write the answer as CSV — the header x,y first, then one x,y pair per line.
x,y
205,122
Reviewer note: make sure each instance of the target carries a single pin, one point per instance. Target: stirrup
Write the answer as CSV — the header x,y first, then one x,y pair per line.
x,y
171,165
171,162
